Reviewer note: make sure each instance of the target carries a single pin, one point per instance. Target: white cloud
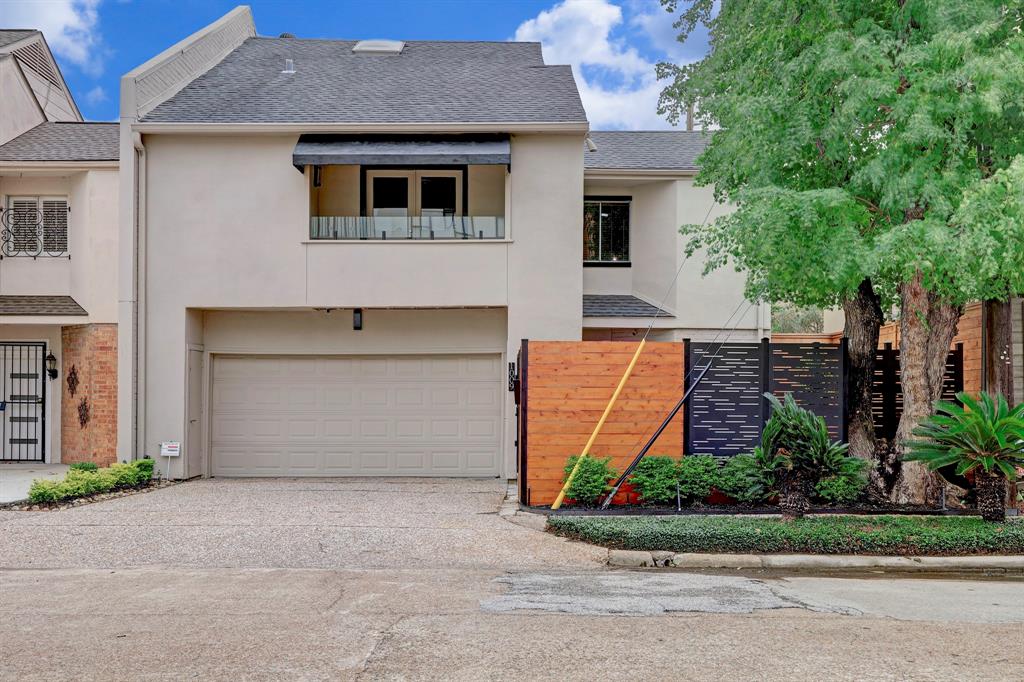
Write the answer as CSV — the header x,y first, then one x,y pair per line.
x,y
71,28
616,82
96,96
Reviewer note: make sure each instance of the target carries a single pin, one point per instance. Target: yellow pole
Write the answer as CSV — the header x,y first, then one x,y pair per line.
x,y
600,423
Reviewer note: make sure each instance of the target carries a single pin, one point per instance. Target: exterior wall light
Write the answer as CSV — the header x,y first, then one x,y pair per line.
x,y
357,319
51,365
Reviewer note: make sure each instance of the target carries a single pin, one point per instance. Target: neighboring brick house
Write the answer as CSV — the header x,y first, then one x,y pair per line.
x,y
58,265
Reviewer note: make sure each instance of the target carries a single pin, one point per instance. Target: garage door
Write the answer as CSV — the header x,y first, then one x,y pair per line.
x,y
423,415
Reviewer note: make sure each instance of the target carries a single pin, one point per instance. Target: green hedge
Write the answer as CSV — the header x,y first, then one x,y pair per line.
x,y
79,482
881,535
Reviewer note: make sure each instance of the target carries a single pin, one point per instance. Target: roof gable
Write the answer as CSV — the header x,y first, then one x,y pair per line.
x,y
428,82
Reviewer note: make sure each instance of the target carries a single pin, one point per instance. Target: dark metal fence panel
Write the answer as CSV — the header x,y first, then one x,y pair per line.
x,y
723,416
887,395
813,373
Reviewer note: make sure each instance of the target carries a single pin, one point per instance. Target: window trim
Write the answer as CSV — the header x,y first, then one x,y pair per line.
x,y
413,172
613,199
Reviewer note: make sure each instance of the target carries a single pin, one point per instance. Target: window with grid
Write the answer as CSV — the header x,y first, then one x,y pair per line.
x,y
606,230
36,226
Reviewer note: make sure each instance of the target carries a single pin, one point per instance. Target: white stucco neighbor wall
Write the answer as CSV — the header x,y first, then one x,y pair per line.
x,y
18,109
90,275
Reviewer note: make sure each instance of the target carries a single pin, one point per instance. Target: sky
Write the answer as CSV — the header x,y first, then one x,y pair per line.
x,y
612,45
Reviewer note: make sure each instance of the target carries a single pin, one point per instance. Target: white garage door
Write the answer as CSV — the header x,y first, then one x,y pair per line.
x,y
422,415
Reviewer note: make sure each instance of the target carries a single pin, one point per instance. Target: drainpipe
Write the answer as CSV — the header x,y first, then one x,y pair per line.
x,y
140,296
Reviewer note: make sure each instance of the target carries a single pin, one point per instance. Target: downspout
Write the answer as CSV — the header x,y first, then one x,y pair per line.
x,y
140,297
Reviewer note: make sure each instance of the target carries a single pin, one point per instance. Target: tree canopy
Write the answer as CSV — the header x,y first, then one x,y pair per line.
x,y
860,139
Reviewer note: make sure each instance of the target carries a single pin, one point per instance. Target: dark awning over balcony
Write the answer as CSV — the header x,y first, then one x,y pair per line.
x,y
401,150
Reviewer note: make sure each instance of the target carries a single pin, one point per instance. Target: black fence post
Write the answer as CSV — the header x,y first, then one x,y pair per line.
x,y
766,380
844,388
524,364
686,385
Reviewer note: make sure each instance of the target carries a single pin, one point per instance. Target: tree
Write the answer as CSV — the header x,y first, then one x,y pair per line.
x,y
871,150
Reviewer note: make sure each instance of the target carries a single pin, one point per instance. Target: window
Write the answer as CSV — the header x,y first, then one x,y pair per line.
x,y
414,193
35,226
606,230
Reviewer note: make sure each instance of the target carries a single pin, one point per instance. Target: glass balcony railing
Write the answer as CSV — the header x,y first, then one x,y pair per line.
x,y
406,227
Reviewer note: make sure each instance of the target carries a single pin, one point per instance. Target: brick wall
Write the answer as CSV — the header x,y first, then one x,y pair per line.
x,y
569,384
89,394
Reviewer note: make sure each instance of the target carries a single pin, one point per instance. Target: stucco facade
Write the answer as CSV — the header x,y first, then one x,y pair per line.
x,y
235,311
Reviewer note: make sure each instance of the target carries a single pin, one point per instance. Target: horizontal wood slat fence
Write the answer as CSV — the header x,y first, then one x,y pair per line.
x,y
562,388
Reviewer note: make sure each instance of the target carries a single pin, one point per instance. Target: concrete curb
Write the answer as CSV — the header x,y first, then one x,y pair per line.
x,y
817,562
511,512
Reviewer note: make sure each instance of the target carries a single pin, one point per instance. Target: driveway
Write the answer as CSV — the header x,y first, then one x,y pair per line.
x,y
420,579
17,477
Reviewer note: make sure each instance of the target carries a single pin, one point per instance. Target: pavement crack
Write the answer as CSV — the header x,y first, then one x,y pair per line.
x,y
385,636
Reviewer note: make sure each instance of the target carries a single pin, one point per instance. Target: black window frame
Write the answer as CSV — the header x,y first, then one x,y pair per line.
x,y
628,200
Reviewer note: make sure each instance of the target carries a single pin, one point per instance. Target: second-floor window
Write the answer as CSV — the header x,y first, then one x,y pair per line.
x,y
35,226
606,230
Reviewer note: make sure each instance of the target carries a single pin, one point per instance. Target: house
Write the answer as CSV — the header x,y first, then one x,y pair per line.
x,y
58,265
331,250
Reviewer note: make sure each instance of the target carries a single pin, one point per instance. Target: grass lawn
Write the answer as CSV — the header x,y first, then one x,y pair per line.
x,y
880,535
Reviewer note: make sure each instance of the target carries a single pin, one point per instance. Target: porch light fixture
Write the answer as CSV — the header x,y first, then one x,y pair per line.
x,y
51,365
357,319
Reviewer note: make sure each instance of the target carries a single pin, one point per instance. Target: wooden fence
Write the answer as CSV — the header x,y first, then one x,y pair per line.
x,y
564,386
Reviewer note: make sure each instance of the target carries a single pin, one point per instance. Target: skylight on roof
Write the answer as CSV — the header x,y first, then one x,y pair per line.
x,y
393,47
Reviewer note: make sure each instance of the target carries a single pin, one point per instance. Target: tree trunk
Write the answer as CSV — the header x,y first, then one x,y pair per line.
x,y
793,500
990,488
998,349
927,326
863,320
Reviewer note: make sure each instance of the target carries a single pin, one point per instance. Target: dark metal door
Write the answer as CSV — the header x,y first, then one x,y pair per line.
x,y
23,401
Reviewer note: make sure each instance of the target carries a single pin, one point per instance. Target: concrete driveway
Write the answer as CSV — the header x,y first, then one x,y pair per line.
x,y
17,477
420,579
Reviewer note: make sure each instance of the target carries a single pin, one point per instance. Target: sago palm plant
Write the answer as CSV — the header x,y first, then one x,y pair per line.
x,y
984,437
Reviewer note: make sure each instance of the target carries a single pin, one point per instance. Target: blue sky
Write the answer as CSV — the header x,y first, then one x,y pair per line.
x,y
612,44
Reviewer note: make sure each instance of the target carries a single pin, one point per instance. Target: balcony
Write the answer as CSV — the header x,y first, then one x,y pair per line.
x,y
424,227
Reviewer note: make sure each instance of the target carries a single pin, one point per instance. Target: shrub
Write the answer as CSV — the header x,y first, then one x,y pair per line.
x,y
832,534
45,490
591,479
126,475
748,479
82,481
655,479
698,474
145,467
839,489
985,438
795,443
84,466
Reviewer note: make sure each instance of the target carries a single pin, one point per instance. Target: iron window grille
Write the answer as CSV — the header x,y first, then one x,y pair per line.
x,y
34,227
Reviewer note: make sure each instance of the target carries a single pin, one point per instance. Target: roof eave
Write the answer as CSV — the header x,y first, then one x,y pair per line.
x,y
153,127
629,173
58,165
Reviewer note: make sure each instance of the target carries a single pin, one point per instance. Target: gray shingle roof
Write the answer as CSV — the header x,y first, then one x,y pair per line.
x,y
40,305
646,150
618,305
60,141
429,82
13,35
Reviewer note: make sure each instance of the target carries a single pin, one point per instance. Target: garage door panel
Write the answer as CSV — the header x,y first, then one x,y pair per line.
x,y
386,415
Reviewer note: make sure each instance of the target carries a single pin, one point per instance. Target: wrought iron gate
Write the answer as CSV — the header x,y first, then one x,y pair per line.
x,y
23,401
